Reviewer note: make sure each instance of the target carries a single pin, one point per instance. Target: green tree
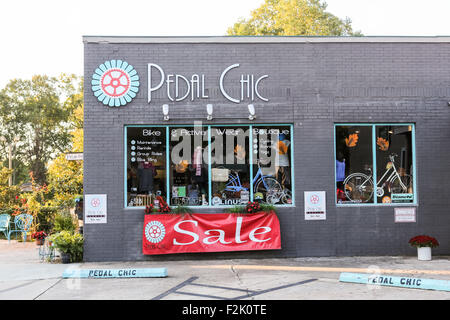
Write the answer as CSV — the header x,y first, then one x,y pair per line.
x,y
66,177
34,116
293,18
9,195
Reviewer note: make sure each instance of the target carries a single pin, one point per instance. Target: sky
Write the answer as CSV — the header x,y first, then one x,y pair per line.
x,y
45,36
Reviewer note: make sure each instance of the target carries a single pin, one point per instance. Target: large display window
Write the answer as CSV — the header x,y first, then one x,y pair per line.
x,y
146,165
188,179
272,169
374,164
209,165
230,165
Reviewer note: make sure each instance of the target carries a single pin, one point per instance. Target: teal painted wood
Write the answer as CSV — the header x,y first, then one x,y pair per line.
x,y
293,166
209,167
250,159
168,172
4,223
115,273
386,280
374,164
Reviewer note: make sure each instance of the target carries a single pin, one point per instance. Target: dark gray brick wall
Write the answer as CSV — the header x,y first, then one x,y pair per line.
x,y
313,86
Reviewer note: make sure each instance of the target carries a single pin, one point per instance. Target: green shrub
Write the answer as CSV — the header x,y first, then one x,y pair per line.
x,y
236,209
181,209
70,243
46,219
267,207
64,222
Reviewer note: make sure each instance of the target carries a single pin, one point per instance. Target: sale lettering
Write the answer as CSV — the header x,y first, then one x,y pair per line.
x,y
220,234
171,233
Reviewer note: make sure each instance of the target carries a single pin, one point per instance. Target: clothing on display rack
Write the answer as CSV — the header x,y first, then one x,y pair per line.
x,y
283,147
197,161
146,173
283,160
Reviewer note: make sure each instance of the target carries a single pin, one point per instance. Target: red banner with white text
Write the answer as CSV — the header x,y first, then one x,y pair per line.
x,y
199,232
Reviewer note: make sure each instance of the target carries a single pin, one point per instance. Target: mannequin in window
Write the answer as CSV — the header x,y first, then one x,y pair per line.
x,y
132,180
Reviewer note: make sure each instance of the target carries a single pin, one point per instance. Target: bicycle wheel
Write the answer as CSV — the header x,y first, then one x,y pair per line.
x,y
396,186
272,193
358,187
286,198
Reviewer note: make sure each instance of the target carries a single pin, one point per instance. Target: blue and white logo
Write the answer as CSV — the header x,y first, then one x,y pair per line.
x,y
115,83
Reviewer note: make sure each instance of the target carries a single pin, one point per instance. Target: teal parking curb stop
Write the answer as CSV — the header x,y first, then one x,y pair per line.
x,y
115,273
404,282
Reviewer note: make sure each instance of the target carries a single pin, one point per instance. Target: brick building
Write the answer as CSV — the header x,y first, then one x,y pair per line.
x,y
347,112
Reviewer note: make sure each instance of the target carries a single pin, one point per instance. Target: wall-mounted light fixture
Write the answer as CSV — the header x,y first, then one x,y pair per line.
x,y
251,110
209,110
165,109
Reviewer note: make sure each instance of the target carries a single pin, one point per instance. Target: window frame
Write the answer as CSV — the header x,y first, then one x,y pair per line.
x,y
209,126
374,161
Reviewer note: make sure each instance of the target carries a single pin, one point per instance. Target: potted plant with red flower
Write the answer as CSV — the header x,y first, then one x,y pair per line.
x,y
252,207
39,236
163,206
423,243
149,209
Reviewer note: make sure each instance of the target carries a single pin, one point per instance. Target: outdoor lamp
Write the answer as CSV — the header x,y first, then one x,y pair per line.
x,y
209,110
165,109
251,110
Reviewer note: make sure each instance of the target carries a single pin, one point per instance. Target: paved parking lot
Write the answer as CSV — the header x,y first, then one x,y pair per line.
x,y
23,276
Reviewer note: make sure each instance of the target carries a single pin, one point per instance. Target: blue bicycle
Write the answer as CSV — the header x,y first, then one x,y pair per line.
x,y
262,185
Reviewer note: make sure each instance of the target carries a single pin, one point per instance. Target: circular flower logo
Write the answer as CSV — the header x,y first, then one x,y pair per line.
x,y
155,231
115,83
314,199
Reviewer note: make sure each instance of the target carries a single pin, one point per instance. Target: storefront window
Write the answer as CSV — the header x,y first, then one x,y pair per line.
x,y
272,164
208,165
356,180
188,166
394,164
146,165
354,164
230,165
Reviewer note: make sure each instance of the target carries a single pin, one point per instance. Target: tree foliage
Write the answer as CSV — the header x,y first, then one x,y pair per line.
x,y
293,18
8,195
34,116
66,177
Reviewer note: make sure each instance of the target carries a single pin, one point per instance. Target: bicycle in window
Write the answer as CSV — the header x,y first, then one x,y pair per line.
x,y
358,187
264,184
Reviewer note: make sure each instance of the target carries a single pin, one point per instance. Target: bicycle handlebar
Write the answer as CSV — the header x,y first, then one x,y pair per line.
x,y
392,156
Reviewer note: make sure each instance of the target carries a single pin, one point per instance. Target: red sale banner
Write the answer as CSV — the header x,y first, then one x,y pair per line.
x,y
180,233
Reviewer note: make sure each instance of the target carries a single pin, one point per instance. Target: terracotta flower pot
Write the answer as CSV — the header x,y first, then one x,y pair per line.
x,y
39,242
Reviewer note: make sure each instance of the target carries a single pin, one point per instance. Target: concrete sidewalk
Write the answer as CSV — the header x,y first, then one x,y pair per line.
x,y
23,276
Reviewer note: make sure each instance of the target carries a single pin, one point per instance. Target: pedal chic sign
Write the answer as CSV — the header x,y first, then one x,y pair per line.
x,y
194,85
115,83
181,233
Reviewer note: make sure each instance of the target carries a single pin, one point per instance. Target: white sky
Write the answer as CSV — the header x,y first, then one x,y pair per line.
x,y
44,36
